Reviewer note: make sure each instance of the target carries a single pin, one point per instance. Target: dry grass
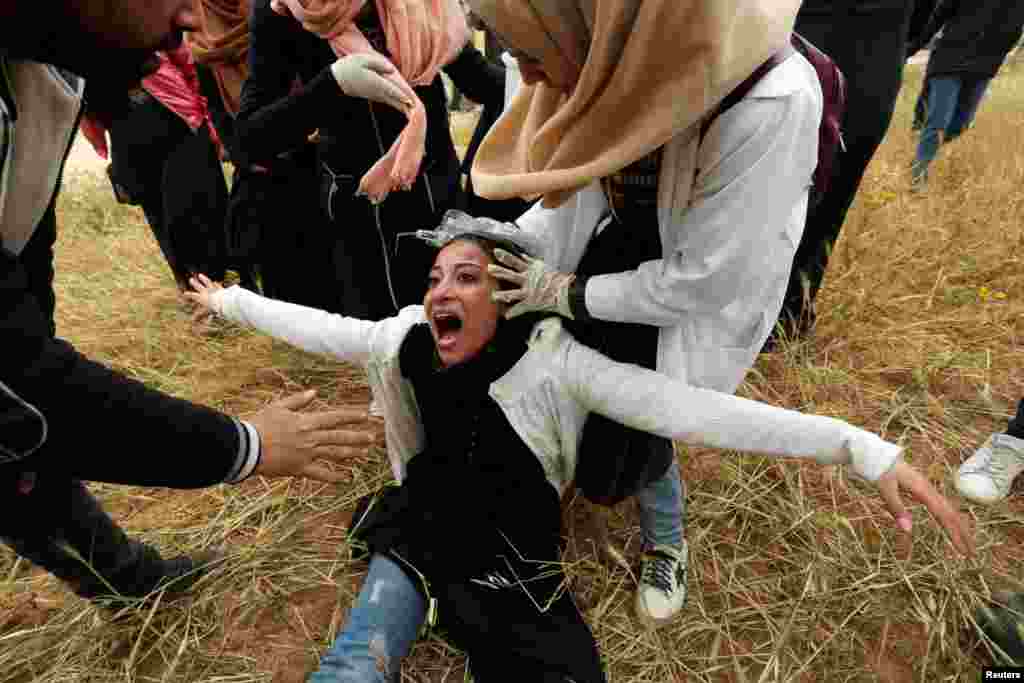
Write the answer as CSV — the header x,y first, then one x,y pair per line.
x,y
796,572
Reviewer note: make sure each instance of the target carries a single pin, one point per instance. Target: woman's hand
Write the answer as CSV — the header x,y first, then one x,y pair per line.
x,y
902,474
202,295
365,75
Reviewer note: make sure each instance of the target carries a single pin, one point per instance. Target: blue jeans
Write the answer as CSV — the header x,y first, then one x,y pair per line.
x,y
663,509
381,629
945,112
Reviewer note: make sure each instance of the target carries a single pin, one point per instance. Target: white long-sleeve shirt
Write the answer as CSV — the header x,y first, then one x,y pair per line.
x,y
548,393
731,211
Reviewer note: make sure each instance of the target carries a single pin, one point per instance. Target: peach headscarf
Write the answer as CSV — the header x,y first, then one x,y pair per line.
x,y
647,70
422,36
222,43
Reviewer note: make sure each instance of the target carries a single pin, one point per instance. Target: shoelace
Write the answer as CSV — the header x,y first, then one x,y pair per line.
x,y
657,571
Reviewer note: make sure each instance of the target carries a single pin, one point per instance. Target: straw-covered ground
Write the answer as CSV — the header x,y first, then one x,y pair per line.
x,y
796,571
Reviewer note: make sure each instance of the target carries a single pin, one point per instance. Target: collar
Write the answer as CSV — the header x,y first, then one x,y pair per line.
x,y
72,81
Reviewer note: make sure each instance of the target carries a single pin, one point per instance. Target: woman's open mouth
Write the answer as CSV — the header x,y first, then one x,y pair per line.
x,y
446,329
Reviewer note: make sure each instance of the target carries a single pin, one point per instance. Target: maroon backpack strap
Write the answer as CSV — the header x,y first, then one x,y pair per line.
x,y
741,90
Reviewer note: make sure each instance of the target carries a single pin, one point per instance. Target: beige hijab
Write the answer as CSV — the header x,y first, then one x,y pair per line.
x,y
647,70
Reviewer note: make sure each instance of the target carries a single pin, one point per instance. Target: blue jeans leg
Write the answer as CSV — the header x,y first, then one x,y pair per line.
x,y
972,91
943,93
381,629
663,509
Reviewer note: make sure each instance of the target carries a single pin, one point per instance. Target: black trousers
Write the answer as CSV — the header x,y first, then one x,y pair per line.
x,y
1016,426
615,462
868,43
378,271
276,228
177,178
58,525
508,639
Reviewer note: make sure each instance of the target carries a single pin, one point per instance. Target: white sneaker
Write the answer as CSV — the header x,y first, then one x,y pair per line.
x,y
662,589
986,477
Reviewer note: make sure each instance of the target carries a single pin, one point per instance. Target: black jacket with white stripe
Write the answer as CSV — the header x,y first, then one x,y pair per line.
x,y
59,411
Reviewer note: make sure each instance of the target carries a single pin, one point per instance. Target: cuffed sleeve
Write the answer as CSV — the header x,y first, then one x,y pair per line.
x,y
249,452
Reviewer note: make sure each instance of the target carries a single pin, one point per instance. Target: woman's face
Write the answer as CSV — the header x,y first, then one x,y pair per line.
x,y
535,64
550,39
462,317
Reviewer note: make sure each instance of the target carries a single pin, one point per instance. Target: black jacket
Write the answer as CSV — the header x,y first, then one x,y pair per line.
x,y
889,14
976,36
291,92
61,412
277,114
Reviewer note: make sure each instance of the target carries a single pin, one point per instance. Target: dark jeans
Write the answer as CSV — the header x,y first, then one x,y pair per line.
x,y
175,175
945,109
60,527
868,44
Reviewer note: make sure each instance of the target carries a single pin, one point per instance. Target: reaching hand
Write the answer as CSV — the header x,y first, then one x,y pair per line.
x,y
203,295
291,441
364,75
541,288
903,475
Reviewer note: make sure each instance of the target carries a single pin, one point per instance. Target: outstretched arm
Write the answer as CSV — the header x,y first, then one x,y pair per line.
x,y
309,329
62,411
647,400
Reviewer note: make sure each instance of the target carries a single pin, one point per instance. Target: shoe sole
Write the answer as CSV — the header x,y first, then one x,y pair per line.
x,y
976,499
649,622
